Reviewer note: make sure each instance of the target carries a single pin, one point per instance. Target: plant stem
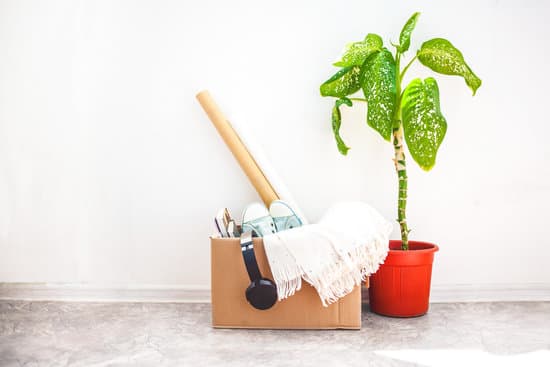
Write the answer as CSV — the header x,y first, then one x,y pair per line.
x,y
399,159
359,99
406,68
401,169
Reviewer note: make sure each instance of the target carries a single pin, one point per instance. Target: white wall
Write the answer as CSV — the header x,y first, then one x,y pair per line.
x,y
110,172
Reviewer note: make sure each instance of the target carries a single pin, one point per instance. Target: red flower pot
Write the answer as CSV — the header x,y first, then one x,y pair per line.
x,y
401,286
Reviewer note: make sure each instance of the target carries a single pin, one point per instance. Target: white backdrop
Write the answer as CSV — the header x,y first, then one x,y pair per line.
x,y
110,172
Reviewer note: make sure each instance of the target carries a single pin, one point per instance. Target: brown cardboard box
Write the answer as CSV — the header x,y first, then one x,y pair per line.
x,y
301,311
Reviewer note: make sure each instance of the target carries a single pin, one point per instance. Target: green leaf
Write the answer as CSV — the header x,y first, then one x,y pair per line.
x,y
337,121
423,124
343,83
441,56
378,83
356,53
405,36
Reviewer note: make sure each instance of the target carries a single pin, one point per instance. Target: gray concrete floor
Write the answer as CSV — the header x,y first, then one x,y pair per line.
x,y
141,334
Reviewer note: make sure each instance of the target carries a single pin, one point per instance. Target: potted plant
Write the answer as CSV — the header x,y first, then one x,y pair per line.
x,y
401,287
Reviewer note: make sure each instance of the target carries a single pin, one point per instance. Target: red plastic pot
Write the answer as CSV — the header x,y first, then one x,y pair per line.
x,y
401,286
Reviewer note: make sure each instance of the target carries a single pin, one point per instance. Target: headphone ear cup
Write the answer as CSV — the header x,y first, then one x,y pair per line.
x,y
262,294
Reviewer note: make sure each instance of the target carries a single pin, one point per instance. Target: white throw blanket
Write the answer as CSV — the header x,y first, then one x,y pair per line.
x,y
348,244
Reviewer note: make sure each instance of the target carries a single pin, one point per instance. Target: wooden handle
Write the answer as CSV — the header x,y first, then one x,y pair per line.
x,y
234,143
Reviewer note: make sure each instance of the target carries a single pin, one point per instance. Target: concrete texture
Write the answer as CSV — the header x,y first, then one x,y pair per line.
x,y
147,334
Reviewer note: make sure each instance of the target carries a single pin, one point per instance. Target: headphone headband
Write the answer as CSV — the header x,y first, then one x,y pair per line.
x,y
247,248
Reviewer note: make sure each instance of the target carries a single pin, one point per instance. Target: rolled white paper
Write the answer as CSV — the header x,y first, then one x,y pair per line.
x,y
267,168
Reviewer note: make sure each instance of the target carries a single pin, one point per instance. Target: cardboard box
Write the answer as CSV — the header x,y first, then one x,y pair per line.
x,y
301,311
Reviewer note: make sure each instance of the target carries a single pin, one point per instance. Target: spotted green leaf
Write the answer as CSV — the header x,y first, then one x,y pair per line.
x,y
378,83
441,56
423,124
405,36
343,83
356,53
337,121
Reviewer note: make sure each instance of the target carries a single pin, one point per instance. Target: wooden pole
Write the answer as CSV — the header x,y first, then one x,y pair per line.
x,y
236,146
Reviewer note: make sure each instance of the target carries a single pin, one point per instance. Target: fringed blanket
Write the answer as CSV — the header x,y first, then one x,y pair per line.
x,y
348,244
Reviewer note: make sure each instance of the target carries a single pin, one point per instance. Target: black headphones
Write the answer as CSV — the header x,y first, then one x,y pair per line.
x,y
262,292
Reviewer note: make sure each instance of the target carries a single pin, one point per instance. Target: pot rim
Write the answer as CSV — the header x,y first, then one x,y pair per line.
x,y
426,247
